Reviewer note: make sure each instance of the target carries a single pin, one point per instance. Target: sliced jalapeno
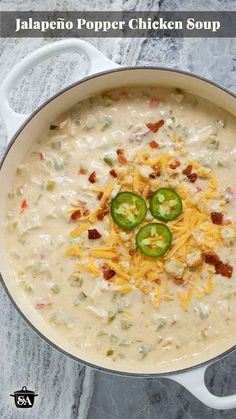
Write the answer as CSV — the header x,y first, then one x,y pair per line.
x,y
165,204
128,210
154,239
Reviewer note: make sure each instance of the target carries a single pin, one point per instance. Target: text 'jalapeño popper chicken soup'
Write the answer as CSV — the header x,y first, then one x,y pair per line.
x,y
120,229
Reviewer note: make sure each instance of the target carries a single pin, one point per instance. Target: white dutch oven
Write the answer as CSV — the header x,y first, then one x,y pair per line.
x,y
104,74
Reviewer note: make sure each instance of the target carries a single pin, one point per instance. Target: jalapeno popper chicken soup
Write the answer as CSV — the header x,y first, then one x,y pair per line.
x,y
121,233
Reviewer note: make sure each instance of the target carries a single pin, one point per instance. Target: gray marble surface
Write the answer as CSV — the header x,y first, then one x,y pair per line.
x,y
67,389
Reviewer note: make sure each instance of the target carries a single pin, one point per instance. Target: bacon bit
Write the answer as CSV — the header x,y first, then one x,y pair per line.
x,y
224,269
24,204
185,284
188,170
217,218
179,281
94,234
156,172
154,127
75,215
85,212
212,259
42,156
108,273
113,173
153,102
99,196
173,165
82,171
101,214
40,306
121,156
92,177
221,268
192,177
153,144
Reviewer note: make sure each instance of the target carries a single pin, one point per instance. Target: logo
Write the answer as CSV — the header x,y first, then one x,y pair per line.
x,y
24,398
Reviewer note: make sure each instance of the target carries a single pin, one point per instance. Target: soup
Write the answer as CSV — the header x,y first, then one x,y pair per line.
x,y
120,229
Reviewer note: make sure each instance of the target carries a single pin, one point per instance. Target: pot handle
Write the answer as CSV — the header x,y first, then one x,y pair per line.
x,y
194,382
97,62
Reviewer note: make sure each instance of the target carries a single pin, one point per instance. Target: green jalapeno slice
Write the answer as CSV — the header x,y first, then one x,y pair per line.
x,y
165,204
154,239
128,210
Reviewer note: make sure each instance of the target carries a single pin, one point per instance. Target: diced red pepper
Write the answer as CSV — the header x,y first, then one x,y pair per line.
x,y
192,177
93,234
153,102
92,177
217,217
99,196
24,204
174,164
121,156
113,173
75,215
188,170
101,214
108,273
153,144
155,126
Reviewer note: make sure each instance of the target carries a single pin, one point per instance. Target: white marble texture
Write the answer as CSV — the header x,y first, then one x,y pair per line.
x,y
66,389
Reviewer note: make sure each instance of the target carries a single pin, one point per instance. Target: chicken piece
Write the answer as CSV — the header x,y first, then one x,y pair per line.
x,y
174,268
194,258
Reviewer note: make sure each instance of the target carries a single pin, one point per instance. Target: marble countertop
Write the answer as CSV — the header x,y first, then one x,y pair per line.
x,y
66,389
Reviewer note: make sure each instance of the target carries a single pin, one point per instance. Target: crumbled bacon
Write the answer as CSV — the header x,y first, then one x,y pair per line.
x,y
221,268
155,126
93,234
41,156
108,273
101,214
153,144
82,171
153,102
92,177
217,217
113,173
224,269
24,204
174,164
188,170
99,196
212,258
156,172
121,156
229,189
75,215
157,281
192,177
40,306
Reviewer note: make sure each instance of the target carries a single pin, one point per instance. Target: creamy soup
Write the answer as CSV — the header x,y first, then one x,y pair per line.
x,y
120,229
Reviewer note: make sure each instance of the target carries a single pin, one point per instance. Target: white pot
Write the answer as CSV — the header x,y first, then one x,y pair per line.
x,y
26,129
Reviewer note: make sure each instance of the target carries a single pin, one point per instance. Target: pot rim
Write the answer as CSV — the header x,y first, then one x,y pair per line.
x,y
10,144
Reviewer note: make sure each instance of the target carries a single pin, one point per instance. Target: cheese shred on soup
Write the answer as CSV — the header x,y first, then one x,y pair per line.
x,y
121,229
